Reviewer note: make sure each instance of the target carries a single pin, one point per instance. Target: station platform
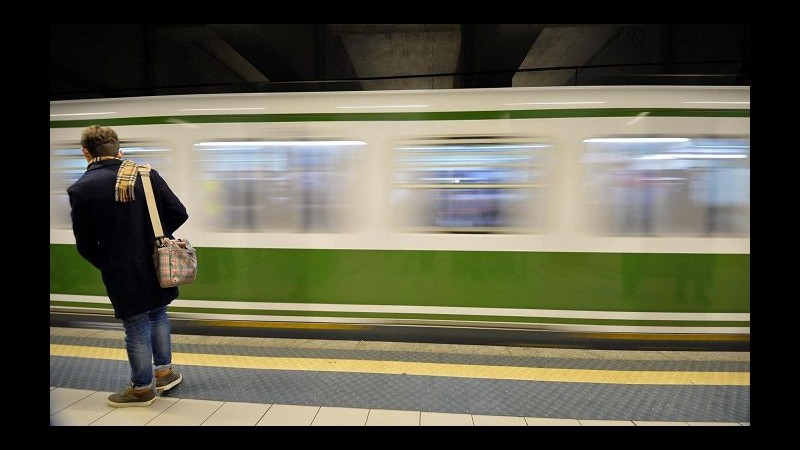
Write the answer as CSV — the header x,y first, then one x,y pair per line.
x,y
248,381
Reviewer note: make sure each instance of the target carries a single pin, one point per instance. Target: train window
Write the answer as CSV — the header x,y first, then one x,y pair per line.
x,y
472,187
681,186
67,164
294,186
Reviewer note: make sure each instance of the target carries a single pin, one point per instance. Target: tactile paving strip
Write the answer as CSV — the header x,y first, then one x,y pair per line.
x,y
427,393
699,403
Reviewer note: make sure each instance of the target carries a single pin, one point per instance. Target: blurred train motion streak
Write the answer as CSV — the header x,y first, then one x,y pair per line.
x,y
611,212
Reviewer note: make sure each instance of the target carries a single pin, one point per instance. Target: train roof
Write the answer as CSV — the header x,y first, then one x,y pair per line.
x,y
421,101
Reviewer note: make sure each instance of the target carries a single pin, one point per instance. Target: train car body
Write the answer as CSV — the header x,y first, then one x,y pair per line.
x,y
603,210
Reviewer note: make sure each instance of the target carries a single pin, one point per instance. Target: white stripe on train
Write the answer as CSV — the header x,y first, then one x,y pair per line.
x,y
403,309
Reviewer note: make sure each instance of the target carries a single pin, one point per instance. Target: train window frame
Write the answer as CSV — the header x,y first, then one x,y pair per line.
x,y
532,217
691,154
58,152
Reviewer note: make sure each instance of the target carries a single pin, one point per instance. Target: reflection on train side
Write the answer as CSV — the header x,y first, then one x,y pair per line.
x,y
476,187
293,186
67,164
669,186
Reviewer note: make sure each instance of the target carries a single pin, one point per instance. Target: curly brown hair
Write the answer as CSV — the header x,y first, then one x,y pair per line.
x,y
100,141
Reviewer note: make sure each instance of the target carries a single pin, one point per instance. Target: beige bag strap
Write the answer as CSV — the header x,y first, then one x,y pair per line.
x,y
144,171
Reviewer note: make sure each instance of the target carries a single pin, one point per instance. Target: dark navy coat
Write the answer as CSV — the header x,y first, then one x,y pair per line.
x,y
118,238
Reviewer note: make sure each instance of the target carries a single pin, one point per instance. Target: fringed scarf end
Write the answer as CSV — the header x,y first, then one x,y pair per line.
x,y
126,181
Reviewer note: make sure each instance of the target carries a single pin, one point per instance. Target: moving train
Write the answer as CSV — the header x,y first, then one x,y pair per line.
x,y
550,215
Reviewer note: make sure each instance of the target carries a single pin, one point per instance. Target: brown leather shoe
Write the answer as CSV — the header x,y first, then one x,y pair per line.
x,y
168,380
132,397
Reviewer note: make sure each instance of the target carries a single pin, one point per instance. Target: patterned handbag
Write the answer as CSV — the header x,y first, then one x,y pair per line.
x,y
176,259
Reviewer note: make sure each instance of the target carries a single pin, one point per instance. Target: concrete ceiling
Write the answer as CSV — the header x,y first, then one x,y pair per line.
x,y
90,61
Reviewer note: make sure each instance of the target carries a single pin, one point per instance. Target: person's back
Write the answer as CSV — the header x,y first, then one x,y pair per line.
x,y
117,237
113,232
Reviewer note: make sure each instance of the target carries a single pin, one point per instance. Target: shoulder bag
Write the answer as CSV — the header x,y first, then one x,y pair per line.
x,y
176,259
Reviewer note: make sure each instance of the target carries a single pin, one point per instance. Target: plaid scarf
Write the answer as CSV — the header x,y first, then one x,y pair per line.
x,y
100,158
126,180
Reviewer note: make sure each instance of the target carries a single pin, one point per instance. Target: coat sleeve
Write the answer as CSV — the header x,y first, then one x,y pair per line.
x,y
173,213
87,240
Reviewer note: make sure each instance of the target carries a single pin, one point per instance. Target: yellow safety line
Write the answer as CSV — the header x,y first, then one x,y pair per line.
x,y
429,369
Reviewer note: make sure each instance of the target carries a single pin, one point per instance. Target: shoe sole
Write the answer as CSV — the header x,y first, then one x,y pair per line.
x,y
167,387
128,404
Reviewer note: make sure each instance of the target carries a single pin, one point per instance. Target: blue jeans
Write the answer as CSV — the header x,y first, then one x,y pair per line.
x,y
147,340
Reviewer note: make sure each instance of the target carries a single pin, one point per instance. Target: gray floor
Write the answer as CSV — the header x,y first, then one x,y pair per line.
x,y
439,394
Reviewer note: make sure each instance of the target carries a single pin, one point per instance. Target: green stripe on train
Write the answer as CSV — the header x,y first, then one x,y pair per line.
x,y
405,116
649,282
